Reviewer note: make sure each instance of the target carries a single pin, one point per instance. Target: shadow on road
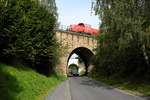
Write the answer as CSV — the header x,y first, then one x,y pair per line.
x,y
93,83
146,97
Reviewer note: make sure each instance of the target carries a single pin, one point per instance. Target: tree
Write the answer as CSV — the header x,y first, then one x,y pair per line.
x,y
27,33
79,59
125,40
51,5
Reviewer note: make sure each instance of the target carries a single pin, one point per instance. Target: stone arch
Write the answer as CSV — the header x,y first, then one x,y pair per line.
x,y
79,43
74,66
85,54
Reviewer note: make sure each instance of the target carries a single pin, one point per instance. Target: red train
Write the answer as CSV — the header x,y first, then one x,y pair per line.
x,y
81,27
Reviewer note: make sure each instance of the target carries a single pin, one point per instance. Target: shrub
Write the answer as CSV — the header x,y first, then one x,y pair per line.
x,y
27,33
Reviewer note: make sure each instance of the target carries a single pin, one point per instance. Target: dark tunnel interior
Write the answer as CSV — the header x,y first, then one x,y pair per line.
x,y
85,54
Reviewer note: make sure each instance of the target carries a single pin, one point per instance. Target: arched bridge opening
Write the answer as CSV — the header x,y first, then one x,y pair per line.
x,y
86,55
72,70
80,44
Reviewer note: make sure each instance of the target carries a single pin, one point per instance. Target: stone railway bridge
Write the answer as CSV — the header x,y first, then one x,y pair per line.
x,y
81,44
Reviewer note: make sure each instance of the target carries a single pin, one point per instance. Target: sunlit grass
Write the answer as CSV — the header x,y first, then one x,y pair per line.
x,y
21,83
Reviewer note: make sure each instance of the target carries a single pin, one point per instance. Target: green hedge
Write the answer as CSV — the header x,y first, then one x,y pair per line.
x,y
27,33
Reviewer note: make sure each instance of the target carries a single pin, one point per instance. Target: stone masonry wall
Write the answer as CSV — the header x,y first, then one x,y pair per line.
x,y
71,41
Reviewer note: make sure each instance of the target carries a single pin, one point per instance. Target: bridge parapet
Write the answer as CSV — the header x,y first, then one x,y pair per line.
x,y
74,39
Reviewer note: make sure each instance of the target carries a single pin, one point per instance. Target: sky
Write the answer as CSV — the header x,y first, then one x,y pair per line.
x,y
76,11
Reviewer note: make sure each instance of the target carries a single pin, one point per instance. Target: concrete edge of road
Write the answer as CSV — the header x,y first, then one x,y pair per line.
x,y
119,90
64,87
69,91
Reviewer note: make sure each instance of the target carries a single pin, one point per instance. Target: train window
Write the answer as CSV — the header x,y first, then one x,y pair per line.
x,y
81,24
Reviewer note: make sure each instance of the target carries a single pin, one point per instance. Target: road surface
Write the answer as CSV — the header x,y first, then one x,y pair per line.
x,y
83,88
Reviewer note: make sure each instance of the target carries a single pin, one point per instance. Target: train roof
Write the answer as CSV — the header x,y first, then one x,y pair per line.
x,y
85,25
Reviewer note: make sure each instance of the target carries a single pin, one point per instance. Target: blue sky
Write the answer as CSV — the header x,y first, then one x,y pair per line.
x,y
75,11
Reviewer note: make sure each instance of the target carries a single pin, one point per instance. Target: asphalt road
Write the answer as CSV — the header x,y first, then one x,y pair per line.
x,y
62,92
83,88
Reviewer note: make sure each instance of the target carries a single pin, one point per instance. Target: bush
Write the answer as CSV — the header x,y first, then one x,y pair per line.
x,y
124,43
27,33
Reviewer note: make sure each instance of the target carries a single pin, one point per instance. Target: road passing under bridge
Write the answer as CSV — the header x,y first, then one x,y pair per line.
x,y
82,88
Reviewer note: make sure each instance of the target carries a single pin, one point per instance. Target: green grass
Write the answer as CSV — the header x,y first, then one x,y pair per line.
x,y
21,83
134,86
82,73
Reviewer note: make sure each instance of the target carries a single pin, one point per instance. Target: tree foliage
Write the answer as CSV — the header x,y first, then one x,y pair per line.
x,y
79,59
51,5
124,43
27,33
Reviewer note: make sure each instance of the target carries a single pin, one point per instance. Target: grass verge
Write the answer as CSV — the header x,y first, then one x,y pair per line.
x,y
81,73
21,83
133,86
